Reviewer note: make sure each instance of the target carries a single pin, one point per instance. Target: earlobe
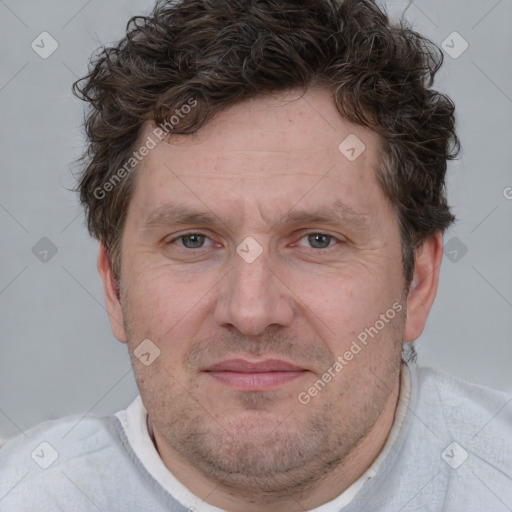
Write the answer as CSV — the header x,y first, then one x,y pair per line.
x,y
423,289
112,295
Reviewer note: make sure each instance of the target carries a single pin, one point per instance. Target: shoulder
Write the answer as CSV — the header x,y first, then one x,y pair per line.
x,y
65,439
472,427
470,408
454,450
47,460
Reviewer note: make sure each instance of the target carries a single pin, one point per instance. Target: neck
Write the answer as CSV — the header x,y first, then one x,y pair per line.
x,y
336,481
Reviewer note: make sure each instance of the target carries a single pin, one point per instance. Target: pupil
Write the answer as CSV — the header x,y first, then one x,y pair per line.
x,y
193,241
318,240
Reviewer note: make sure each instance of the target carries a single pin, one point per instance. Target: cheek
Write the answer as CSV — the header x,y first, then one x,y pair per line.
x,y
162,304
341,306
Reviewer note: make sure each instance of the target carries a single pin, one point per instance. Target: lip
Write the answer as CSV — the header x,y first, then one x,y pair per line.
x,y
244,366
254,376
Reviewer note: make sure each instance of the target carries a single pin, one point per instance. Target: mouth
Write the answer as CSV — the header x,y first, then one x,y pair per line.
x,y
245,375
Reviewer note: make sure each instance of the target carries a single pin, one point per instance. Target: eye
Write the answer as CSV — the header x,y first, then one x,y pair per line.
x,y
319,240
191,240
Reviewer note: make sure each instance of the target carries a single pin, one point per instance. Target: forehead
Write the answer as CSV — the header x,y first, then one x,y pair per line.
x,y
263,155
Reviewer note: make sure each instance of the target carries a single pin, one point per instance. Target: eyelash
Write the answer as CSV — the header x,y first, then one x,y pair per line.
x,y
304,235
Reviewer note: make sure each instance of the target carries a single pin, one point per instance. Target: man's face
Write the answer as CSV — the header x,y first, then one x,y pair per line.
x,y
330,267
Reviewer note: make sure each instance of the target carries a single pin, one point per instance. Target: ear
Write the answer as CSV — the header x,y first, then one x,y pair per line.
x,y
111,291
423,289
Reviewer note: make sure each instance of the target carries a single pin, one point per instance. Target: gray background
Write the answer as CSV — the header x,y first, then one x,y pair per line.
x,y
58,355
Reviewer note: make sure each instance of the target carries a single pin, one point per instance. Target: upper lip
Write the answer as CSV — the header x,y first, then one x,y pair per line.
x,y
244,366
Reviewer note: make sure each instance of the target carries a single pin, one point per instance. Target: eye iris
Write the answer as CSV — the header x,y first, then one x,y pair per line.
x,y
193,241
319,241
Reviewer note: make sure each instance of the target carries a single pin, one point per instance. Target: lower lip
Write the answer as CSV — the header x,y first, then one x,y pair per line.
x,y
257,381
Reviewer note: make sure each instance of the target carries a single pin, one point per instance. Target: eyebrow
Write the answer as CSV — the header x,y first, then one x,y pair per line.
x,y
180,214
177,214
337,213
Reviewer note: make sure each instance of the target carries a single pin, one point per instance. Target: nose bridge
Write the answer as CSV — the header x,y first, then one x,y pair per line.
x,y
251,298
251,280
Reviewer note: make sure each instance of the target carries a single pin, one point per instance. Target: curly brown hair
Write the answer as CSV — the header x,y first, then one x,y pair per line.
x,y
218,52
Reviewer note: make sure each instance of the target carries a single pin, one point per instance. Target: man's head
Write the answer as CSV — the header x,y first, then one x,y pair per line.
x,y
217,53
298,194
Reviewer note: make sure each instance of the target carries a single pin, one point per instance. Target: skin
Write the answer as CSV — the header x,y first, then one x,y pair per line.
x,y
299,301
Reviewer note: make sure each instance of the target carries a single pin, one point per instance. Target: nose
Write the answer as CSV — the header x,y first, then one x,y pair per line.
x,y
253,297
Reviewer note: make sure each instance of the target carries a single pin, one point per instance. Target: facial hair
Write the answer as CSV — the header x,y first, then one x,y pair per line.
x,y
265,454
